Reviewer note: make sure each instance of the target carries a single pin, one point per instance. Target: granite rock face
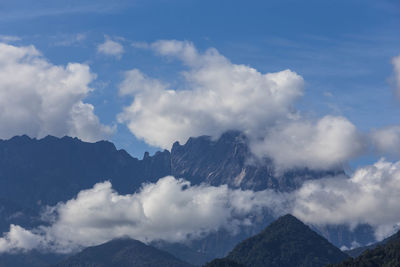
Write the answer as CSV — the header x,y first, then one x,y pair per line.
x,y
228,160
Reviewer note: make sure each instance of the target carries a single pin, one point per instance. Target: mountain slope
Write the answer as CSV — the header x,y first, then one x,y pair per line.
x,y
224,263
384,255
29,259
286,242
228,160
43,172
51,169
121,253
36,173
354,253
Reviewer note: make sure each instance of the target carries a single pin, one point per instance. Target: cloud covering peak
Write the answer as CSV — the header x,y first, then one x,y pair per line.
x,y
219,95
222,96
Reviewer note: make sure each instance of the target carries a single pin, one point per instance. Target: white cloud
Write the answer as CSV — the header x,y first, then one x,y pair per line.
x,y
111,48
70,39
218,96
175,211
222,96
396,68
326,144
387,140
371,196
38,98
170,210
9,38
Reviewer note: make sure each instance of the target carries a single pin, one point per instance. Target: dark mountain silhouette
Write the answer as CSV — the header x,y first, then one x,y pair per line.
x,y
383,254
286,242
122,253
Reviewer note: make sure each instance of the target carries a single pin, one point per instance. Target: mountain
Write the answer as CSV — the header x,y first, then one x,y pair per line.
x,y
51,169
386,254
224,263
286,242
121,253
35,173
358,251
228,160
43,172
29,259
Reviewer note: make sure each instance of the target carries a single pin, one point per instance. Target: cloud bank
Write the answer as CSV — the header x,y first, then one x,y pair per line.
x,y
370,196
219,95
38,98
175,211
170,210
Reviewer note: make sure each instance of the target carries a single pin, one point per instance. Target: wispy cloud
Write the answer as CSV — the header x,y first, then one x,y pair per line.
x,y
111,48
70,39
9,38
23,9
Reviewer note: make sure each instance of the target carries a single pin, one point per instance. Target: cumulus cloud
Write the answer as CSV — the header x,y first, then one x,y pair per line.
x,y
170,210
222,96
38,98
326,144
219,95
396,68
387,140
111,48
370,196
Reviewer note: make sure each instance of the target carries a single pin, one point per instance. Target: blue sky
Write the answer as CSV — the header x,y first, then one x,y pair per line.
x,y
342,49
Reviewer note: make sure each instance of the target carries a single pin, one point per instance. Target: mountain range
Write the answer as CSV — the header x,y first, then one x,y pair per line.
x,y
286,242
35,173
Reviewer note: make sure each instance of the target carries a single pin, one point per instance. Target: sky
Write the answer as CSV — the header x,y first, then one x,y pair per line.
x,y
341,49
312,84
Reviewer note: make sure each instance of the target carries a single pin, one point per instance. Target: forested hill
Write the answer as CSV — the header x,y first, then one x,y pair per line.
x,y
286,242
384,255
